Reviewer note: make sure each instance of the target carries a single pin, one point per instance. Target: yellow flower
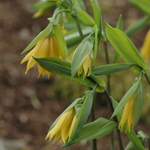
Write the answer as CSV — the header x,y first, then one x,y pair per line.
x,y
47,47
85,68
145,50
127,116
64,127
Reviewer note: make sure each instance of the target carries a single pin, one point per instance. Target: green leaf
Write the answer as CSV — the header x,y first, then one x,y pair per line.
x,y
110,68
125,48
97,129
120,23
115,104
143,5
62,67
60,38
73,37
43,5
138,103
136,27
39,37
97,14
81,53
85,17
126,97
133,137
84,113
96,44
118,26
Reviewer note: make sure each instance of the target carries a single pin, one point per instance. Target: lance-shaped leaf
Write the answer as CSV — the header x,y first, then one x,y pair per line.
x,y
143,5
110,68
60,38
96,44
133,137
81,53
97,129
39,37
137,104
118,26
84,113
115,104
97,15
126,97
73,37
42,7
85,17
63,68
125,48
137,26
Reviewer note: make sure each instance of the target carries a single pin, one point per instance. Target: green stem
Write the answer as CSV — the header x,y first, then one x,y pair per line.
x,y
108,87
69,3
93,142
79,27
146,76
107,62
63,10
115,118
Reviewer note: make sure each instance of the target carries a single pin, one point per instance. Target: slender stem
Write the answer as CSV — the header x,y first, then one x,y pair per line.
x,y
79,28
107,62
69,3
108,87
94,141
106,52
63,10
146,76
115,118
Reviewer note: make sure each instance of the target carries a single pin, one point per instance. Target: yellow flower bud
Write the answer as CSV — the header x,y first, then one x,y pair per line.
x,y
145,50
64,127
85,68
127,116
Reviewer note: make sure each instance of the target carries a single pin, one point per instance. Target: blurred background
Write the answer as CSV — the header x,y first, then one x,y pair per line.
x,y
29,105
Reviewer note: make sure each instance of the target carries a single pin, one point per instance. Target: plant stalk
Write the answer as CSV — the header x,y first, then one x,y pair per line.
x,y
107,62
108,87
93,142
146,76
115,119
79,28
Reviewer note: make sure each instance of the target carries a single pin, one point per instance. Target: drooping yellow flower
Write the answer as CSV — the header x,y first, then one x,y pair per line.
x,y
64,127
47,47
85,68
127,116
145,50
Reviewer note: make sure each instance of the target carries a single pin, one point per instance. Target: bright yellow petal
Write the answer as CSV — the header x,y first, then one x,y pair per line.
x,y
57,136
32,52
30,64
72,126
127,116
145,50
67,124
57,50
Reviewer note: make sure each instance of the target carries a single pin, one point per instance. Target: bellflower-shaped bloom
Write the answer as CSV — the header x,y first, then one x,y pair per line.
x,y
127,116
48,43
63,129
145,50
85,68
47,47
